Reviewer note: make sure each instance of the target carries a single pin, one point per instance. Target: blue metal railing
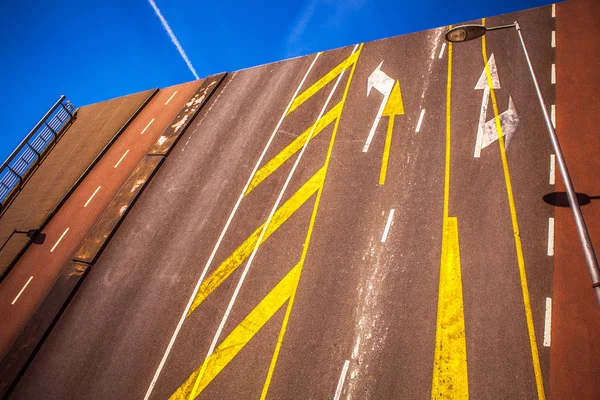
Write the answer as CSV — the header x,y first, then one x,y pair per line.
x,y
14,170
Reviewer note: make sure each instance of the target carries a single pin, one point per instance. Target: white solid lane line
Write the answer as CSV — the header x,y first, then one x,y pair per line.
x,y
222,235
550,236
387,226
418,129
21,292
552,179
553,74
121,159
170,98
553,41
59,239
92,196
553,115
548,322
340,385
442,50
147,126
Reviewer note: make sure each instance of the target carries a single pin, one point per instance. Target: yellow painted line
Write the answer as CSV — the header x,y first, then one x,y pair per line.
x,y
515,225
239,337
450,377
294,147
243,251
318,85
450,372
386,151
308,235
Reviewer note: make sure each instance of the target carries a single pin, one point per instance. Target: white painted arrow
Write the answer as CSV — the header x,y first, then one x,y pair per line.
x,y
509,120
384,84
482,83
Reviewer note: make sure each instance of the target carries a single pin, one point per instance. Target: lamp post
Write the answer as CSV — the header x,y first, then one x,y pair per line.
x,y
465,33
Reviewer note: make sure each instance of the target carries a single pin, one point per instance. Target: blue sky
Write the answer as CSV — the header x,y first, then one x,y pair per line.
x,y
94,51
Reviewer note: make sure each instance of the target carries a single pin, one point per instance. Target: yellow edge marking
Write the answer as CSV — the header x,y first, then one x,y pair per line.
x,y
243,251
308,234
318,85
450,378
294,147
513,215
239,337
450,373
386,150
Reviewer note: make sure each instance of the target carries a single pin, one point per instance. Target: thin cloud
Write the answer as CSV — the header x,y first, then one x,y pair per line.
x,y
173,38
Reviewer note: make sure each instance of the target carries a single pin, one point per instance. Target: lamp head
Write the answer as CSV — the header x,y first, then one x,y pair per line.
x,y
465,33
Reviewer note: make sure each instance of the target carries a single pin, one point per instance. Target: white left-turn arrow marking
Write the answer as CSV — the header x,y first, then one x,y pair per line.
x,y
384,84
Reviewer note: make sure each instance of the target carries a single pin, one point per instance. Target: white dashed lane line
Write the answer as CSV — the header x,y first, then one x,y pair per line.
x,y
91,197
171,98
550,236
22,290
147,126
548,322
121,159
59,239
418,128
552,178
553,74
340,385
442,50
387,226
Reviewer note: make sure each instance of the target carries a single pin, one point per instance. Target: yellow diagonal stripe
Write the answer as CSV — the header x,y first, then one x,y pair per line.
x,y
318,85
294,147
245,249
239,337
450,379
386,150
516,233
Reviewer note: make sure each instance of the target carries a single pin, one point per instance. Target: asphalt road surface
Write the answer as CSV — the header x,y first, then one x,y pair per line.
x,y
272,256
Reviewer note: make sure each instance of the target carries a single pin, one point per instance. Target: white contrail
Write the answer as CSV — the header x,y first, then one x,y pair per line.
x,y
173,38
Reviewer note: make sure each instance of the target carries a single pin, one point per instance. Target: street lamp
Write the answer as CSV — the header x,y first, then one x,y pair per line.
x,y
465,33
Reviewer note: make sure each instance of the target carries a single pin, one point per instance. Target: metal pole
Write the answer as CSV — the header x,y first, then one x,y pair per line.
x,y
584,237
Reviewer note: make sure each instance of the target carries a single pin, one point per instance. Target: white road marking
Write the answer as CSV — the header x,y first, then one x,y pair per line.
x,y
553,10
387,226
147,126
121,159
553,115
384,85
553,74
170,98
340,385
21,292
267,223
442,50
548,322
418,129
221,236
59,239
92,196
550,236
482,83
552,179
553,41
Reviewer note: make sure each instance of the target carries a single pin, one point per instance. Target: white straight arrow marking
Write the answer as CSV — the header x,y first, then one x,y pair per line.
x,y
384,84
482,83
482,115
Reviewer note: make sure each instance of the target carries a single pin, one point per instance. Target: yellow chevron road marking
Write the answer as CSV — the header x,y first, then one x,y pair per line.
x,y
318,85
294,147
236,258
239,337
